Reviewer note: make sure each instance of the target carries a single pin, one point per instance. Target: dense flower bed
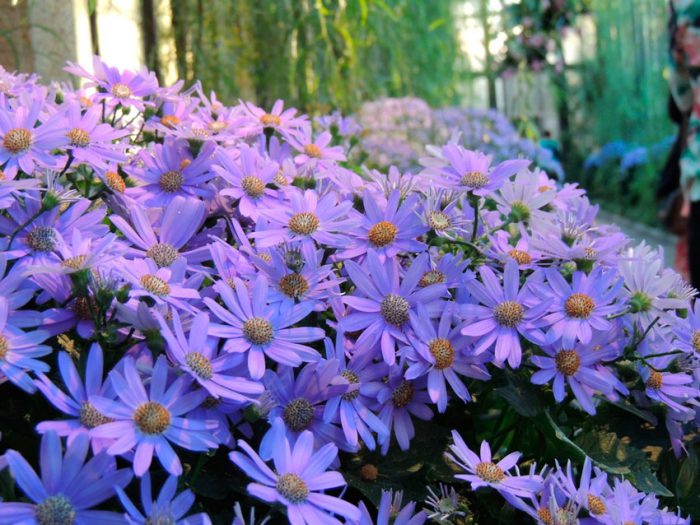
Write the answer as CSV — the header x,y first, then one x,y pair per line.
x,y
208,302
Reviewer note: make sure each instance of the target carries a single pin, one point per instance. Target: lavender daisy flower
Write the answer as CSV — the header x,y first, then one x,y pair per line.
x,y
306,218
675,390
282,120
591,492
169,171
391,511
92,142
19,351
68,487
383,314
195,354
687,332
148,421
471,171
76,403
389,231
483,472
437,354
521,251
444,506
251,325
167,508
401,399
247,178
521,200
582,306
443,215
299,476
314,153
163,285
180,221
27,141
508,311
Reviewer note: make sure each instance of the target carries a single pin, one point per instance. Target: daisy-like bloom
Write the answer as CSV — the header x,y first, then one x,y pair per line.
x,y
505,312
687,331
251,325
247,178
388,231
521,200
446,268
591,492
195,354
279,119
114,87
298,480
79,253
299,402
181,220
675,390
163,285
502,248
579,308
400,399
445,506
92,142
581,368
444,216
392,511
481,471
306,219
169,171
19,351
26,141
68,488
470,171
314,153
387,305
438,353
168,508
146,421
84,416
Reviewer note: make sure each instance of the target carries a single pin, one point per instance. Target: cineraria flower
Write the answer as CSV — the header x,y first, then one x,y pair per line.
x,y
470,171
196,355
181,219
444,506
90,141
299,476
443,215
306,218
251,325
523,252
522,199
169,171
383,314
483,472
388,231
68,487
591,492
580,367
76,402
439,354
19,351
279,119
508,311
582,306
247,178
148,421
167,508
668,388
163,285
392,512
27,141
314,152
401,399
687,331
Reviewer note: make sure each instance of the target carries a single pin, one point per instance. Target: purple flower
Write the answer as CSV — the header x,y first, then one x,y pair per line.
x,y
68,487
19,350
251,325
90,141
508,311
195,354
386,306
27,141
391,511
438,352
581,307
169,171
76,403
163,285
675,390
591,492
297,481
470,171
147,421
483,472
388,231
314,152
167,508
306,218
279,119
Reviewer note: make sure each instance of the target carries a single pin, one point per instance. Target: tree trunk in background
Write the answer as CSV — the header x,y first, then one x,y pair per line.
x,y
150,37
179,20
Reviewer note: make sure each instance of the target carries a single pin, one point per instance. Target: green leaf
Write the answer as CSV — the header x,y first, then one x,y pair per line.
x,y
625,405
688,475
523,396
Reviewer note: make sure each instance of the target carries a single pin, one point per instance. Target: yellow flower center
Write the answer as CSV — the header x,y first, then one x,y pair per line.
x,y
75,263
509,314
402,394
270,121
596,505
155,285
294,285
490,472
443,352
579,305
382,234
4,346
163,254
432,277
567,362
199,364
696,341
120,90
520,256
292,487
353,379
258,330
474,180
655,381
298,414
152,418
312,150
304,223
171,181
170,121
115,182
17,140
78,138
253,186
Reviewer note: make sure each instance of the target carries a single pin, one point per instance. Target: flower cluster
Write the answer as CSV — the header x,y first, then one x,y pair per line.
x,y
179,276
